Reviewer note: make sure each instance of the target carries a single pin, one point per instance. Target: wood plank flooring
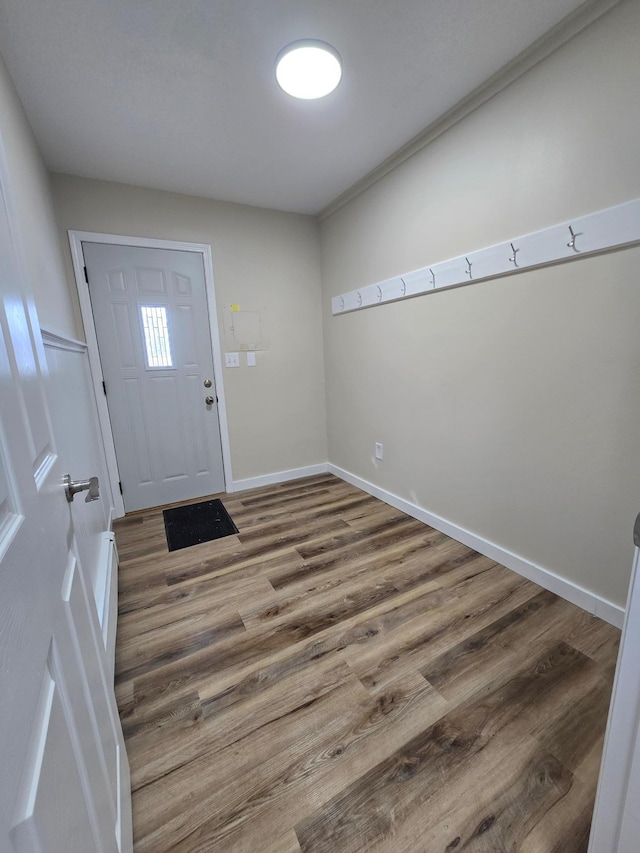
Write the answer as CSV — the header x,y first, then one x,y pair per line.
x,y
338,677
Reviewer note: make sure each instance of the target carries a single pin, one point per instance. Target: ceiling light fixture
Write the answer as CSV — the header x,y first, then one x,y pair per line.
x,y
308,69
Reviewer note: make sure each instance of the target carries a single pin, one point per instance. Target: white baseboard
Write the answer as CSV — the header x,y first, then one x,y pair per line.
x,y
589,601
278,477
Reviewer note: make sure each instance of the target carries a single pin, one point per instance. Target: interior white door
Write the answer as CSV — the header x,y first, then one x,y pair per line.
x,y
152,325
616,817
63,768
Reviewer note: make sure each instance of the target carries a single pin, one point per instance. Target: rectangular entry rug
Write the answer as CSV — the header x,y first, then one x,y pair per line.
x,y
195,523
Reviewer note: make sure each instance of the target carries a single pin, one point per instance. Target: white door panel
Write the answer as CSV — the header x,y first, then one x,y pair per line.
x,y
152,325
63,771
35,418
52,769
616,819
93,720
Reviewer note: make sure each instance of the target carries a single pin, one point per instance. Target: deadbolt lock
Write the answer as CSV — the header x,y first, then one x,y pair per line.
x,y
207,383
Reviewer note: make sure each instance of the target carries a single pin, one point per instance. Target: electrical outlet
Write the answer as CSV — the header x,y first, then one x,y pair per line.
x,y
232,359
378,450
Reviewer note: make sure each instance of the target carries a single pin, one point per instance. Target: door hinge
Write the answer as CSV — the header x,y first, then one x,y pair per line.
x,y
104,387
120,485
86,275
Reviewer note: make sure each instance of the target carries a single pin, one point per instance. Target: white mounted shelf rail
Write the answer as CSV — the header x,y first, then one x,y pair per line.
x,y
612,228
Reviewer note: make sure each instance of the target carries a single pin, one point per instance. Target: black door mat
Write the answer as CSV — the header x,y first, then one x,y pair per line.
x,y
195,523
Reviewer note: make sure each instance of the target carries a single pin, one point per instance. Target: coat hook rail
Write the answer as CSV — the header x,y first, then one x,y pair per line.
x,y
613,227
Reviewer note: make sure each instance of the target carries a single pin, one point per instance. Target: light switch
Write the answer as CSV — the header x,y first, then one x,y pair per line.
x,y
232,359
251,359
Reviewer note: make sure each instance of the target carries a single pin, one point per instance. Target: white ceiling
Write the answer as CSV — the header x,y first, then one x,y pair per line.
x,y
181,94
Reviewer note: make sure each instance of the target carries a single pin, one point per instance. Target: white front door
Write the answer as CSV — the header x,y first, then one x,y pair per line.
x,y
152,325
63,768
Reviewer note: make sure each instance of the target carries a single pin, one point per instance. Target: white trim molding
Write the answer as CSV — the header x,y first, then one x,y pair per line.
x,y
545,578
76,239
55,341
279,477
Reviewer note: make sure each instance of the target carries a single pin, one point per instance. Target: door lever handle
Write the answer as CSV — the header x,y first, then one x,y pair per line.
x,y
72,487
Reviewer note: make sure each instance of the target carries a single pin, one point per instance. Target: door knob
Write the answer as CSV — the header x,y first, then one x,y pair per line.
x,y
209,401
72,487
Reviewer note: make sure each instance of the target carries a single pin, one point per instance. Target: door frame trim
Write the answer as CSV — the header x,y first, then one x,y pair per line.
x,y
77,256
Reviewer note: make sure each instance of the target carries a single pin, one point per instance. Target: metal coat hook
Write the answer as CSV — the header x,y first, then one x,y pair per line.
x,y
379,293
433,277
359,298
469,264
572,242
513,258
404,286
341,304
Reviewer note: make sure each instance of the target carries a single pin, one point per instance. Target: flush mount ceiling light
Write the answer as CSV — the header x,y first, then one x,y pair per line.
x,y
308,69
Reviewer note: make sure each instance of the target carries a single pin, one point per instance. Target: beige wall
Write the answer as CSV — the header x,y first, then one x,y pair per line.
x,y
262,260
35,220
511,408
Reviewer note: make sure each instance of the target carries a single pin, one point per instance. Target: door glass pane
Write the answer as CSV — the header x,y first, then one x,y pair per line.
x,y
156,336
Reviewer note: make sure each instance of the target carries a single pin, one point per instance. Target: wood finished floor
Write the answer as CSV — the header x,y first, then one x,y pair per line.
x,y
338,677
